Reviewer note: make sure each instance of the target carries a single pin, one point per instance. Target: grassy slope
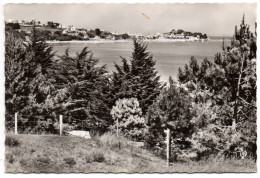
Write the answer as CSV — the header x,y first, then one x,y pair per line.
x,y
64,154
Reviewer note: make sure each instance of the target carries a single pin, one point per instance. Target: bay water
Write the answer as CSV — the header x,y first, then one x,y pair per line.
x,y
169,56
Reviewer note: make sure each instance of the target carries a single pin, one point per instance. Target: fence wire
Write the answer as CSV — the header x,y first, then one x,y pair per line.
x,y
44,124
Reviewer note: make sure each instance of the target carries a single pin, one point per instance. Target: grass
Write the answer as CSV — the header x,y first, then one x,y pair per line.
x,y
67,154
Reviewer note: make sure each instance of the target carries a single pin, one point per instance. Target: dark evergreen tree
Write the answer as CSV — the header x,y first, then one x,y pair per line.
x,y
230,82
172,109
138,79
43,51
87,86
27,89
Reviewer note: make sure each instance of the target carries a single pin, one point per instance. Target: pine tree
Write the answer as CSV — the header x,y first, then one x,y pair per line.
x,y
172,109
138,79
230,82
26,87
87,87
43,52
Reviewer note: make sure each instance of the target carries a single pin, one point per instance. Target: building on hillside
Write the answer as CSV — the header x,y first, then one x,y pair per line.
x,y
26,27
96,38
180,36
192,37
71,28
64,32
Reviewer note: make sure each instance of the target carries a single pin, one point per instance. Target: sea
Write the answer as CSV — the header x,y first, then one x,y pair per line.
x,y
169,55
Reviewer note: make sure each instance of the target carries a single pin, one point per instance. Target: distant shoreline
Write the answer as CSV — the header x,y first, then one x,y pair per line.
x,y
89,41
125,41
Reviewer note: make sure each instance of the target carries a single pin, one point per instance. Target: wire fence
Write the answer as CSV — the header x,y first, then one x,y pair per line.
x,y
44,124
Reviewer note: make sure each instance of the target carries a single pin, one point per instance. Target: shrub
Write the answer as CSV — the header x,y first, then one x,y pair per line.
x,y
98,157
111,141
95,156
130,120
41,161
39,164
70,161
10,158
88,158
11,141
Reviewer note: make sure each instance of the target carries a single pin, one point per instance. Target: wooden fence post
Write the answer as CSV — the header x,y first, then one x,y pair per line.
x,y
117,135
168,146
117,128
15,124
61,124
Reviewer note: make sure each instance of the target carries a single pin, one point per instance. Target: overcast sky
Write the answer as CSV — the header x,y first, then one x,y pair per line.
x,y
139,18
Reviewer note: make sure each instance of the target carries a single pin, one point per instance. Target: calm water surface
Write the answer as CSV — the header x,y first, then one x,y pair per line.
x,y
169,56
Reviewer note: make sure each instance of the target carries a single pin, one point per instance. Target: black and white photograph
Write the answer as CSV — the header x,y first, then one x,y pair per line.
x,y
130,87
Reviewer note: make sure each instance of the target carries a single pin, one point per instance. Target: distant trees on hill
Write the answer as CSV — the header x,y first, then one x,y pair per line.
x,y
53,24
187,33
13,25
97,32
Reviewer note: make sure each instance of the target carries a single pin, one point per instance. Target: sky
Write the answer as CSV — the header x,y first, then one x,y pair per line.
x,y
212,19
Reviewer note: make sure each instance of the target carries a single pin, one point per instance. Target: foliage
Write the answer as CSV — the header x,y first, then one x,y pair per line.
x,y
128,114
11,141
137,79
13,25
43,52
171,109
125,36
85,84
226,89
111,141
26,86
98,157
39,84
70,161
97,32
179,31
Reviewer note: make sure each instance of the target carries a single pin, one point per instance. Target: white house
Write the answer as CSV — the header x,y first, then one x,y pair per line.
x,y
180,36
71,28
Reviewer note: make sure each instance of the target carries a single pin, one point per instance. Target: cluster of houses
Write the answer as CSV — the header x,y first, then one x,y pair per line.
x,y
28,25
90,34
87,34
70,30
171,35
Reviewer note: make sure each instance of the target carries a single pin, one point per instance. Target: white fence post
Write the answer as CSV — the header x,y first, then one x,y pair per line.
x,y
117,128
15,124
168,146
61,122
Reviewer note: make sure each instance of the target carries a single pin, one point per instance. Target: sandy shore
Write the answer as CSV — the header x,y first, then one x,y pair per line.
x,y
125,41
91,41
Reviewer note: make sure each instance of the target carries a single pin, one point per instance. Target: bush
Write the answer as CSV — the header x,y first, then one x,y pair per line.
x,y
130,120
88,158
95,156
9,158
70,161
11,141
111,141
39,164
98,157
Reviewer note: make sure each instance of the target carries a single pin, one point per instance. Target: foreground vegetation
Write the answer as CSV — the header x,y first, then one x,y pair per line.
x,y
65,154
210,111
